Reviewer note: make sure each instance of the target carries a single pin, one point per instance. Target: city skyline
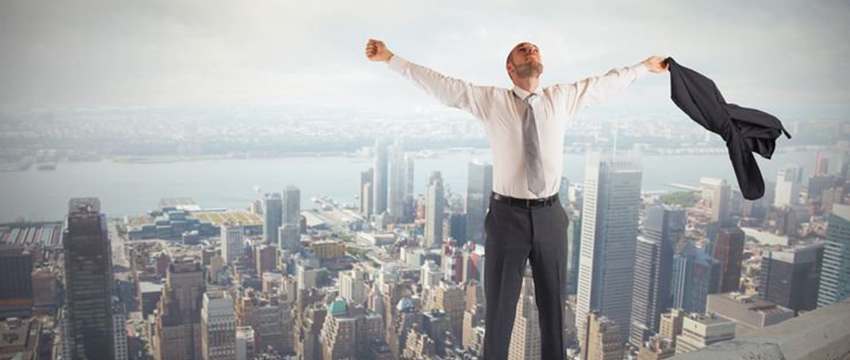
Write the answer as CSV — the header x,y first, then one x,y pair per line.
x,y
235,181
261,280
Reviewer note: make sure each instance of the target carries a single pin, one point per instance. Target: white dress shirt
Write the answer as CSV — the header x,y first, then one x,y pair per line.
x,y
501,115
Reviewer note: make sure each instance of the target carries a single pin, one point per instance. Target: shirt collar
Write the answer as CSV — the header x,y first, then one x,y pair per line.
x,y
524,94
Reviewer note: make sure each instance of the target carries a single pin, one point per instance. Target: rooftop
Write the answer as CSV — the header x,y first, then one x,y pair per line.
x,y
820,334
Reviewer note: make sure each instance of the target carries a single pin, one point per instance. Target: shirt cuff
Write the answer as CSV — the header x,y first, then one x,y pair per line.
x,y
640,69
397,63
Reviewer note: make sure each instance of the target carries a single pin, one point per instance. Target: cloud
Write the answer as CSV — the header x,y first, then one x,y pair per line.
x,y
172,53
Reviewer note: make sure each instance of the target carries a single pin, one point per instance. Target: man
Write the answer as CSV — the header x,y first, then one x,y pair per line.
x,y
525,127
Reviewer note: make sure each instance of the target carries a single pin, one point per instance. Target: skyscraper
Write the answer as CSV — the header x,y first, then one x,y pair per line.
x,y
695,275
177,330
663,227
88,282
729,251
609,231
265,258
573,250
366,193
602,339
218,326
789,180
479,186
273,217
119,332
716,194
835,273
290,237
409,194
790,277
16,278
434,213
409,172
290,231
291,205
380,177
525,336
395,203
231,242
458,228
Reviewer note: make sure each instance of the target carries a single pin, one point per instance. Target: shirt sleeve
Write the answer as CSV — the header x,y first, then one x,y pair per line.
x,y
449,91
596,89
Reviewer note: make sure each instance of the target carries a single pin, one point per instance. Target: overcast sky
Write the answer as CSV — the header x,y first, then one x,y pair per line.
x,y
74,53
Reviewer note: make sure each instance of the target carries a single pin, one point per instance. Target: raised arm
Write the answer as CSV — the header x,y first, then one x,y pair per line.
x,y
597,89
448,90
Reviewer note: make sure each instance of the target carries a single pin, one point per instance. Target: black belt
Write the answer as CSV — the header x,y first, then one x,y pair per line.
x,y
524,203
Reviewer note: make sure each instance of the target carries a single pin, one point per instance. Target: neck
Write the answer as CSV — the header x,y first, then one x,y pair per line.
x,y
528,84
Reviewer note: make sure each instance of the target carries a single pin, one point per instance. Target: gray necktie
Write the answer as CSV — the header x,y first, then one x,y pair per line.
x,y
531,148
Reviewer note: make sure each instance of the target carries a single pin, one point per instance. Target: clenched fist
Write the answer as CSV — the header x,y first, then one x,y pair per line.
x,y
377,51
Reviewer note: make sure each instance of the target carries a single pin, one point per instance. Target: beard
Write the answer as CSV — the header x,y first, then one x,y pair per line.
x,y
527,70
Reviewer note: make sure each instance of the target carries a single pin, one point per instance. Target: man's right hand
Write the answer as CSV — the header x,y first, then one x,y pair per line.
x,y
377,51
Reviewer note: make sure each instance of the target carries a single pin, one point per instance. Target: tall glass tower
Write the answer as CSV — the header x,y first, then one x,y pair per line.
x,y
273,217
835,274
663,227
609,231
479,186
88,282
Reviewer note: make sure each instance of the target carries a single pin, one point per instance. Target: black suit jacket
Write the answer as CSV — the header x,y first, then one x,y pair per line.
x,y
745,130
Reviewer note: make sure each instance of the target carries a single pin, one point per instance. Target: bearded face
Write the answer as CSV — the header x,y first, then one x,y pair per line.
x,y
525,60
529,69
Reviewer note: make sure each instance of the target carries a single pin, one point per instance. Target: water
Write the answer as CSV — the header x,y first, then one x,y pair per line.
x,y
132,188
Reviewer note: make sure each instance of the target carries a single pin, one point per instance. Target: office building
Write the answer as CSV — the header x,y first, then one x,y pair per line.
x,y
695,275
16,282
479,187
218,326
272,217
790,277
749,312
435,211
835,273
88,282
699,331
602,339
663,227
609,232
232,242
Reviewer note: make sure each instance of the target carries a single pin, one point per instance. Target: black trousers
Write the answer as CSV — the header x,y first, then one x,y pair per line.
x,y
513,235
